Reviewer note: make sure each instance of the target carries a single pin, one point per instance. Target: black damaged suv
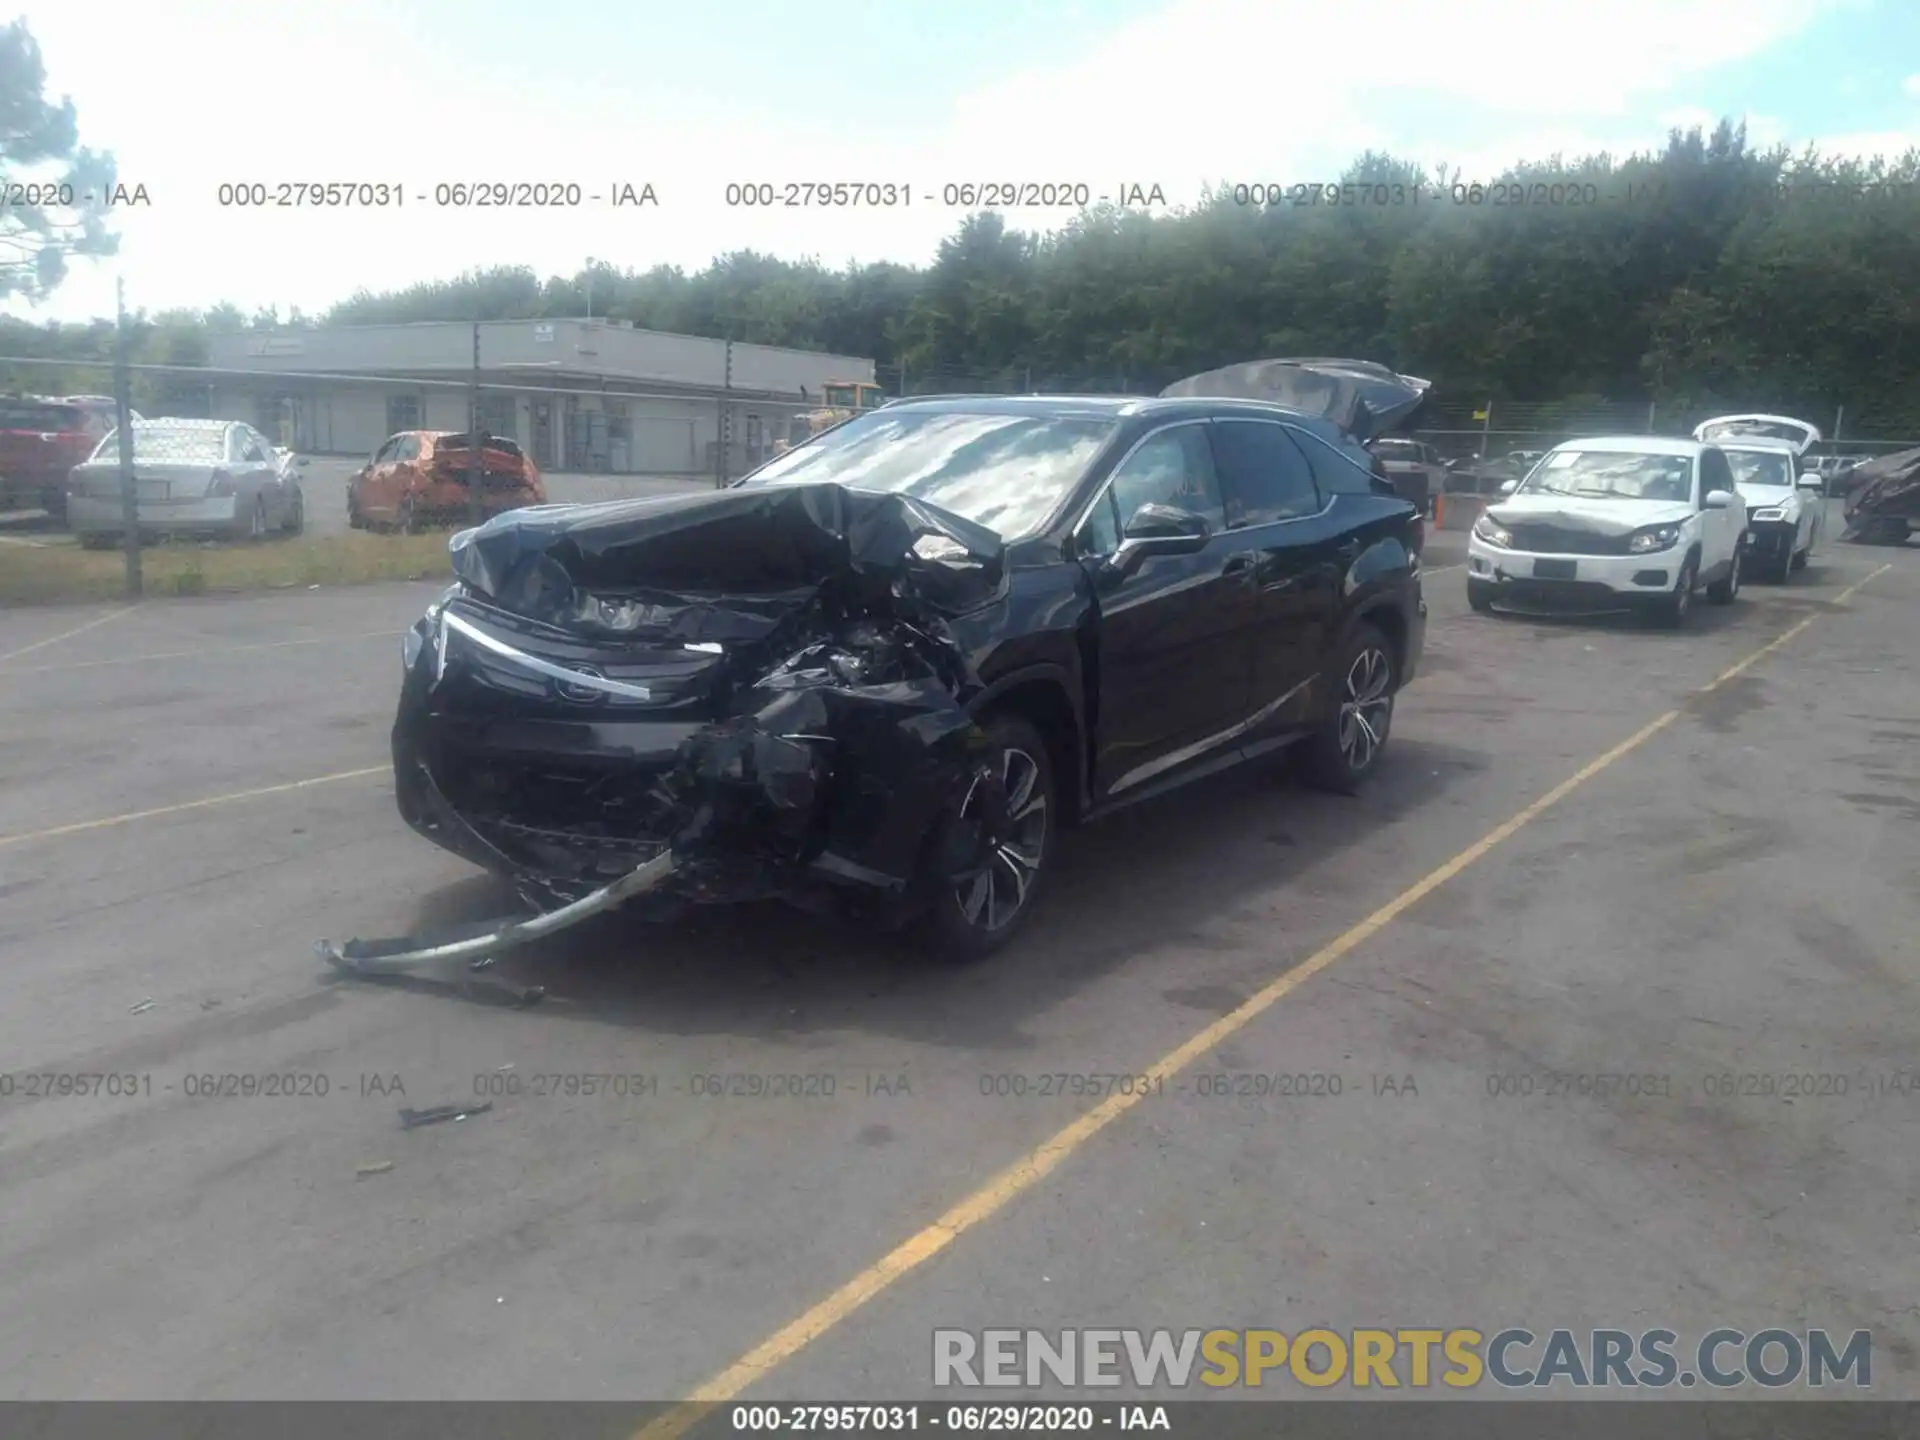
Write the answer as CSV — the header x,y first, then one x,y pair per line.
x,y
919,645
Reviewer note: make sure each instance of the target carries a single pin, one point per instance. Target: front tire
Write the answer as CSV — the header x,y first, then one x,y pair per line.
x,y
1345,750
296,517
1673,609
1722,592
1480,596
1010,810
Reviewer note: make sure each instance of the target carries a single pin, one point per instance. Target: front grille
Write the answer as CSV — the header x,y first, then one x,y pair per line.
x,y
1558,540
1561,597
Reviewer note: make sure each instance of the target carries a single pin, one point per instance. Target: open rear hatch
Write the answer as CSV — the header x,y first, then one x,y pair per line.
x,y
1802,435
1365,399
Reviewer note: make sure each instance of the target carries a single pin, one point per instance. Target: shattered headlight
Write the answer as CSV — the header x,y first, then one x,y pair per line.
x,y
426,629
1654,537
1493,532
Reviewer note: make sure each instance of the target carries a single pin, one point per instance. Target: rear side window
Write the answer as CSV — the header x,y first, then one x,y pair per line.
x,y
1263,475
1333,472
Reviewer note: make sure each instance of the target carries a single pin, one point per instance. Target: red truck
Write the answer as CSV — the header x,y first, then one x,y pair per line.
x,y
41,439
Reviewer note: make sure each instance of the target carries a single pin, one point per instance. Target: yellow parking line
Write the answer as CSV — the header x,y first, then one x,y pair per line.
x,y
58,830
68,634
1038,1163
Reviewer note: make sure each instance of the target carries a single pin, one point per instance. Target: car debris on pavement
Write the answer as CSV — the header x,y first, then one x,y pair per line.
x,y
434,1115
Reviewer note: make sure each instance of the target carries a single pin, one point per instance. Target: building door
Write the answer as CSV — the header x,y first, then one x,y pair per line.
x,y
543,434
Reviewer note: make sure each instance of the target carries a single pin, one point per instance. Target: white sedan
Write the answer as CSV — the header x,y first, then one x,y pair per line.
x,y
216,478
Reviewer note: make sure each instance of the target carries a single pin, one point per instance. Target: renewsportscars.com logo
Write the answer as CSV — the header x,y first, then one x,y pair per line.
x,y
1401,1358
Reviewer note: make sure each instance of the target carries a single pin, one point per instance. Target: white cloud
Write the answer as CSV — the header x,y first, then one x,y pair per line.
x,y
1277,90
1912,86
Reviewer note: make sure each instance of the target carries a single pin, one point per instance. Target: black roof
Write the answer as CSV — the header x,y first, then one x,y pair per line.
x,y
1096,407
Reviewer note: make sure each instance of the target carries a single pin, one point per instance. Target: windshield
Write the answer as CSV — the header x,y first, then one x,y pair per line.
x,y
194,444
29,415
840,397
1006,472
1612,475
1761,467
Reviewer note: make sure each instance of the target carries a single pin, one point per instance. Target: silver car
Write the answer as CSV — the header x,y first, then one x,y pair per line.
x,y
212,478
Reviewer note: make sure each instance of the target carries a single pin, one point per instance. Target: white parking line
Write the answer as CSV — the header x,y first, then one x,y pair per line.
x,y
197,654
68,634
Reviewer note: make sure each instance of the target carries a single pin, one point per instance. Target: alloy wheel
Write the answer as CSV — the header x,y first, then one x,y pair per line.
x,y
990,899
1366,708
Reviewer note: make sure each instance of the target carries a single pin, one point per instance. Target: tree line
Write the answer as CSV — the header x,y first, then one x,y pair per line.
x,y
1705,274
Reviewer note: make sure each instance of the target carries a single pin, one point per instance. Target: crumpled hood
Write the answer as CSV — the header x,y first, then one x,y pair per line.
x,y
1576,512
1363,398
728,564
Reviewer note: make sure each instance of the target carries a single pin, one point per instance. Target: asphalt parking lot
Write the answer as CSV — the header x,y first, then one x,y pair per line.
x,y
193,791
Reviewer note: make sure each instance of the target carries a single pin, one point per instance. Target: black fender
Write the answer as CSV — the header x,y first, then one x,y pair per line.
x,y
1060,679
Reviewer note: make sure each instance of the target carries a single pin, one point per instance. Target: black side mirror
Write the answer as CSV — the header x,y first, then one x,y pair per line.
x,y
1159,530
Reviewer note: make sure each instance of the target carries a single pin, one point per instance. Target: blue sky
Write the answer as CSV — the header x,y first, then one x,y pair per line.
x,y
688,97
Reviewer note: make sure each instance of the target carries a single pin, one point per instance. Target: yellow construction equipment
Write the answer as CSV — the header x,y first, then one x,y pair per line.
x,y
844,400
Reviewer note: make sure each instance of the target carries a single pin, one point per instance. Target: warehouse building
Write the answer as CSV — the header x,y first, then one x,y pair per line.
x,y
594,396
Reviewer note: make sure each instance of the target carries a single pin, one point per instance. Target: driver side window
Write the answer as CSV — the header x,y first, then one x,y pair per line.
x,y
385,452
1174,467
1715,474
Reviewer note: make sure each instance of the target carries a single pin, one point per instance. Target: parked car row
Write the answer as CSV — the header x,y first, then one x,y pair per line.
x,y
1639,522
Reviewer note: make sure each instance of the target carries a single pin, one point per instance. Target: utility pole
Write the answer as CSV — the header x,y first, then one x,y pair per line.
x,y
1839,414
1486,427
476,442
589,289
123,418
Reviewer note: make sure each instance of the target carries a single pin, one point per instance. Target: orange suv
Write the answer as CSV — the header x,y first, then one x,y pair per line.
x,y
420,477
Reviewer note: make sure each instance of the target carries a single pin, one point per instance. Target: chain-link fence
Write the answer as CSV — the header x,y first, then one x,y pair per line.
x,y
616,436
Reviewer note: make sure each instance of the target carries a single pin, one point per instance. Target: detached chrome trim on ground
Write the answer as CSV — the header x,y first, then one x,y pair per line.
x,y
413,952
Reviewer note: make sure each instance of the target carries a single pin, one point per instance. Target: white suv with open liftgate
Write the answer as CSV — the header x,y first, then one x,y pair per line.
x,y
1629,522
1786,509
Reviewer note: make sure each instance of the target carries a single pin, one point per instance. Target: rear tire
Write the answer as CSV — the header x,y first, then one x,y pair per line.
x,y
296,517
1345,750
1801,557
977,916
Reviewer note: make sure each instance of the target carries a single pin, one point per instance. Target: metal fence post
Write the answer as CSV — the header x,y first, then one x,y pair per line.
x,y
475,441
726,421
123,418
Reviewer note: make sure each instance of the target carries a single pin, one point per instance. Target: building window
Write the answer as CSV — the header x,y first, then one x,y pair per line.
x,y
403,413
497,415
